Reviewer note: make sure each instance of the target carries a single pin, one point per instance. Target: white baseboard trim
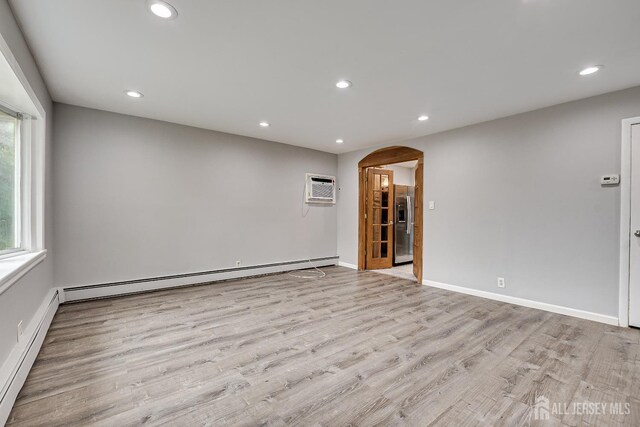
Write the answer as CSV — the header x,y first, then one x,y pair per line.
x,y
17,366
588,315
79,293
347,265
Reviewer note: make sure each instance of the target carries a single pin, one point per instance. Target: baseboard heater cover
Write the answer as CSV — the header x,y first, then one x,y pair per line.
x,y
14,372
102,290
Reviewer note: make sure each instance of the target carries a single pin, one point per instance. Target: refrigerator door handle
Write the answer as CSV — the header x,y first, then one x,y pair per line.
x,y
398,216
409,223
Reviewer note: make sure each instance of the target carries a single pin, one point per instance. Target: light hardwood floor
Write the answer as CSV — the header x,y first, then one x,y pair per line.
x,y
404,271
349,349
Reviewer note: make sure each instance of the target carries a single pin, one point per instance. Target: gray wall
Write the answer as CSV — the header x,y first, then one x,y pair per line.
x,y
520,198
20,302
139,198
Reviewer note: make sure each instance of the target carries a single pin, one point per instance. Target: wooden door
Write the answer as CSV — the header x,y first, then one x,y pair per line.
x,y
379,219
417,224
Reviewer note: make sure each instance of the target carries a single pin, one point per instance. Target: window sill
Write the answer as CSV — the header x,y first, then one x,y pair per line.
x,y
13,268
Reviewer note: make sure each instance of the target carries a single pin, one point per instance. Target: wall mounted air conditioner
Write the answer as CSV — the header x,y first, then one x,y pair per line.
x,y
320,188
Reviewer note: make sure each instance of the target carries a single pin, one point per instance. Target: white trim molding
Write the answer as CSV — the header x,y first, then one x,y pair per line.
x,y
596,317
347,265
103,290
14,371
13,268
625,219
31,167
15,66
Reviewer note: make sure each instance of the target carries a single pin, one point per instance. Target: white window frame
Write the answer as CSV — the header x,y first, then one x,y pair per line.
x,y
30,170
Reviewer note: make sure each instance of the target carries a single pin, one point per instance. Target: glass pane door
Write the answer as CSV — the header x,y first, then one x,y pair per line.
x,y
380,218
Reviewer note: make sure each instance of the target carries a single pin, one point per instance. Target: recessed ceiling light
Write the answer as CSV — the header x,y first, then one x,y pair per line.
x,y
590,70
133,93
343,84
162,9
423,118
339,141
264,124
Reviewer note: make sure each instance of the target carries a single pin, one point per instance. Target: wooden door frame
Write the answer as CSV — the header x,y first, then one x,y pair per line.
x,y
384,156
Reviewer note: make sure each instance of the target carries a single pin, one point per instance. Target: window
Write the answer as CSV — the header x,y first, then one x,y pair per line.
x,y
9,182
23,125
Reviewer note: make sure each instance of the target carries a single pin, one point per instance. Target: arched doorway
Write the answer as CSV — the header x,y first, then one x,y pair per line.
x,y
387,156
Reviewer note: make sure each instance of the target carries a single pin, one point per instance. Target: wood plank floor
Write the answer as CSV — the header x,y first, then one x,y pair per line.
x,y
350,349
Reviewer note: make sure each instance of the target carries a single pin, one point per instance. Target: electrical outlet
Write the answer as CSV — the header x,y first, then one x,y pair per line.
x,y
20,330
238,263
501,282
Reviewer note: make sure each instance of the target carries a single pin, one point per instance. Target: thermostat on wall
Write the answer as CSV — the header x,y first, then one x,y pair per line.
x,y
610,180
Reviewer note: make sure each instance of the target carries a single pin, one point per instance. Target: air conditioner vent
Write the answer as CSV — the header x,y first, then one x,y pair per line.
x,y
320,188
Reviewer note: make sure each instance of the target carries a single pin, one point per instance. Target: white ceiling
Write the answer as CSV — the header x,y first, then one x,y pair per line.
x,y
227,65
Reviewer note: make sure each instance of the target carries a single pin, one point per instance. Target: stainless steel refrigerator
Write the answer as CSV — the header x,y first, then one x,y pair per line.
x,y
403,226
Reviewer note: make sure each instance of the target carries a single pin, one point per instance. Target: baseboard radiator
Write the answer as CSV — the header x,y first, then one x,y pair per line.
x,y
103,290
14,371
